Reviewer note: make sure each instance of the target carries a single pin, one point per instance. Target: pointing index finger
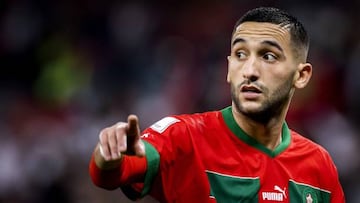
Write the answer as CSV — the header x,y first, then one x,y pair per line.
x,y
133,126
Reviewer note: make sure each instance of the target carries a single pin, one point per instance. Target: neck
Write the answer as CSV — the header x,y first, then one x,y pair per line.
x,y
267,133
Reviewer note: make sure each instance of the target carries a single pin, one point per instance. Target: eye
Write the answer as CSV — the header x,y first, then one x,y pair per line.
x,y
270,57
240,54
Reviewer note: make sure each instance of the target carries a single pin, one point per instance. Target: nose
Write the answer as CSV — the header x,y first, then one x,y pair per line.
x,y
250,69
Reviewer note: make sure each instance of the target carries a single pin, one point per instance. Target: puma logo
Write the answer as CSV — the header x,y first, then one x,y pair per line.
x,y
279,195
277,188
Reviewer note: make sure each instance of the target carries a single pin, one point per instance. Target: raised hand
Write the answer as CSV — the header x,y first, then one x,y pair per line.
x,y
121,138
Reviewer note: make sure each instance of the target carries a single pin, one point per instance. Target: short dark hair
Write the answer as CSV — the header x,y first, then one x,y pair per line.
x,y
298,35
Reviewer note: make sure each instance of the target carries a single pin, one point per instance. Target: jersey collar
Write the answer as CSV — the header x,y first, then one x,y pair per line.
x,y
234,127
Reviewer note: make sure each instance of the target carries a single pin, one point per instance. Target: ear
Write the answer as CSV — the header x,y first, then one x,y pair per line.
x,y
303,75
228,74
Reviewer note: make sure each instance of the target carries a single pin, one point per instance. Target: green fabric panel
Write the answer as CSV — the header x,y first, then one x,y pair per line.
x,y
153,161
230,189
302,193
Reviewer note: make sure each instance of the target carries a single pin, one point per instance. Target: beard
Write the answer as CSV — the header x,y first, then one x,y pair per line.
x,y
271,107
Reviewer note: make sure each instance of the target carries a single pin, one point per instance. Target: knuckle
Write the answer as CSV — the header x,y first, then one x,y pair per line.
x,y
102,135
120,125
104,131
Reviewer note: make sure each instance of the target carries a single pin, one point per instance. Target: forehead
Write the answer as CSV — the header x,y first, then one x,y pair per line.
x,y
259,31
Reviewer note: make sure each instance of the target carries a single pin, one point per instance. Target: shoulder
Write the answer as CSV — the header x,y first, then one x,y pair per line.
x,y
191,118
178,125
313,166
199,119
304,145
317,159
175,133
181,128
186,120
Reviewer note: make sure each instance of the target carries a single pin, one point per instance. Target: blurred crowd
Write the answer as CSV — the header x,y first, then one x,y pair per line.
x,y
71,68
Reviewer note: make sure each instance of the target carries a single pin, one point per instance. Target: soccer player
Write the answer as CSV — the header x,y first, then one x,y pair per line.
x,y
242,153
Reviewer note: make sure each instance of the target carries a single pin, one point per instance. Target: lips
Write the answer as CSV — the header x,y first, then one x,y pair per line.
x,y
250,89
250,93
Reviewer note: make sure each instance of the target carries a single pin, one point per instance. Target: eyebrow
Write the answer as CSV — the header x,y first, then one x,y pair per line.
x,y
266,42
273,44
238,40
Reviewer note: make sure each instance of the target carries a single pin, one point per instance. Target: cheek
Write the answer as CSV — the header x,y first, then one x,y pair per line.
x,y
234,77
278,75
275,81
233,71
230,74
283,82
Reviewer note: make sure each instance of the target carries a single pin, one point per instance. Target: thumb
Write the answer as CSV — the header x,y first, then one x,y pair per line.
x,y
134,143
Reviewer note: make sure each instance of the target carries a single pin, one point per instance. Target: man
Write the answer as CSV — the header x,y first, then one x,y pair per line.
x,y
243,153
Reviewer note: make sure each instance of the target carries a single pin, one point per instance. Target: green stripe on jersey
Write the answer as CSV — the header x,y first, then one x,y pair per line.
x,y
153,160
235,128
300,193
233,189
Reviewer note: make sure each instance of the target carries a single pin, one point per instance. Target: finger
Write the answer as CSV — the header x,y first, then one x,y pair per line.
x,y
133,128
103,140
133,134
137,146
113,144
121,138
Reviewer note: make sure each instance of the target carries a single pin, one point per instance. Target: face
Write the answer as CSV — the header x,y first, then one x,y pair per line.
x,y
262,69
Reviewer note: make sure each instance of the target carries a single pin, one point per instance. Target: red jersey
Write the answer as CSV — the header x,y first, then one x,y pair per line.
x,y
207,157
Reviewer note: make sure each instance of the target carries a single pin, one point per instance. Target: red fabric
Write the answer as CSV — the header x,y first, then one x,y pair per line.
x,y
200,151
131,170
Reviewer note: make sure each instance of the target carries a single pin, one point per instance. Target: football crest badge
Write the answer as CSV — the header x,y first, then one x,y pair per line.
x,y
309,196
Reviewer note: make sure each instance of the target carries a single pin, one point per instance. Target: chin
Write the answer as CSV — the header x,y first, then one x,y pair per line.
x,y
251,111
251,107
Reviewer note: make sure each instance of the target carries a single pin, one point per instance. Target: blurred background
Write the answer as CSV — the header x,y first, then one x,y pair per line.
x,y
71,68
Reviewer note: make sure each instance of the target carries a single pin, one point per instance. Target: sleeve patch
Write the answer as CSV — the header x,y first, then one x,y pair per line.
x,y
163,124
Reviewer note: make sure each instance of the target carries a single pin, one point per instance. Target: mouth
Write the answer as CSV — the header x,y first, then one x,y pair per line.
x,y
250,92
250,89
